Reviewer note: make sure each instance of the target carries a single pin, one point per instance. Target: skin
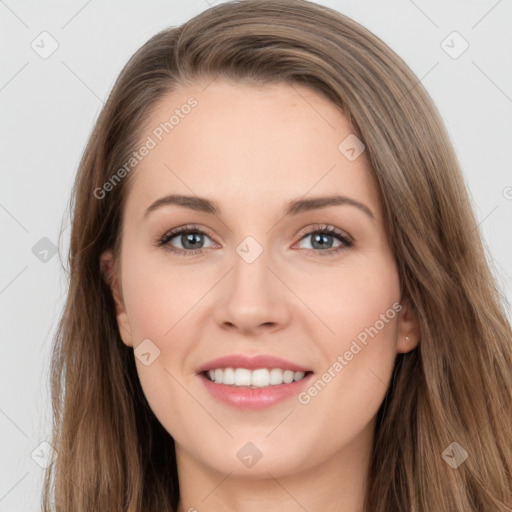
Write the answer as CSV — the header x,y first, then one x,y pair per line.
x,y
253,149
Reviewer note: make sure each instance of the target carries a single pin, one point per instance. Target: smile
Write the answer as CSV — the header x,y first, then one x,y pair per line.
x,y
270,387
259,378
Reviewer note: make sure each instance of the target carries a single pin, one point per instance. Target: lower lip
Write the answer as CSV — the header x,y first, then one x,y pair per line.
x,y
254,398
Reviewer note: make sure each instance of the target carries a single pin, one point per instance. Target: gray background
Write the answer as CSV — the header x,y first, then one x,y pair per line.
x,y
48,107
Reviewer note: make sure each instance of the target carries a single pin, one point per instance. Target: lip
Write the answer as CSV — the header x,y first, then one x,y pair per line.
x,y
254,398
251,363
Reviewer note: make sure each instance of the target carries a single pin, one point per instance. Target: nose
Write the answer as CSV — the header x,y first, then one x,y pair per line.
x,y
254,297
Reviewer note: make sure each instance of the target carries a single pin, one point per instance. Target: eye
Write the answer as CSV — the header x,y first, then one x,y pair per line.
x,y
190,238
322,239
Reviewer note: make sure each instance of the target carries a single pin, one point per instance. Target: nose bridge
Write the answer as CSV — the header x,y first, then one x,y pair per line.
x,y
250,269
254,296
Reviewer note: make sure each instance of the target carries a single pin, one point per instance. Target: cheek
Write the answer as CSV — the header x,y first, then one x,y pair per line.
x,y
157,299
353,298
159,295
362,307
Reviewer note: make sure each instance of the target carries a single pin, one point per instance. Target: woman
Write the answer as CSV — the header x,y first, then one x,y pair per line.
x,y
278,295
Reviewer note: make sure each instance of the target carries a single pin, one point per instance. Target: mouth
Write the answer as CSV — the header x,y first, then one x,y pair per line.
x,y
243,394
259,378
253,382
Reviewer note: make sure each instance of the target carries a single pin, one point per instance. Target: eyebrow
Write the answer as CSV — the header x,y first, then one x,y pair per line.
x,y
293,208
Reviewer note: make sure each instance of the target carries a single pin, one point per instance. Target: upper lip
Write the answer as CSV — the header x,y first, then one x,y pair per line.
x,y
251,363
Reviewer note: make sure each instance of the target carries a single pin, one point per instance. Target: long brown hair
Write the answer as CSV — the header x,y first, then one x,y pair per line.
x,y
455,387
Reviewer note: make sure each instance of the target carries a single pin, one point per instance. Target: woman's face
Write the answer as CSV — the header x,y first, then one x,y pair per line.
x,y
259,277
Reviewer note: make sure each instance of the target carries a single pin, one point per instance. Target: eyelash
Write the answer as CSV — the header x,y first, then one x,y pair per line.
x,y
320,229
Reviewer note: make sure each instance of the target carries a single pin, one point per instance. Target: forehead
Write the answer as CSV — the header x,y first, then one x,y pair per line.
x,y
247,144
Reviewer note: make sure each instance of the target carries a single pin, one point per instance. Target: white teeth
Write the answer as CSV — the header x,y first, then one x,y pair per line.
x,y
242,377
288,376
260,378
228,376
276,376
298,375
